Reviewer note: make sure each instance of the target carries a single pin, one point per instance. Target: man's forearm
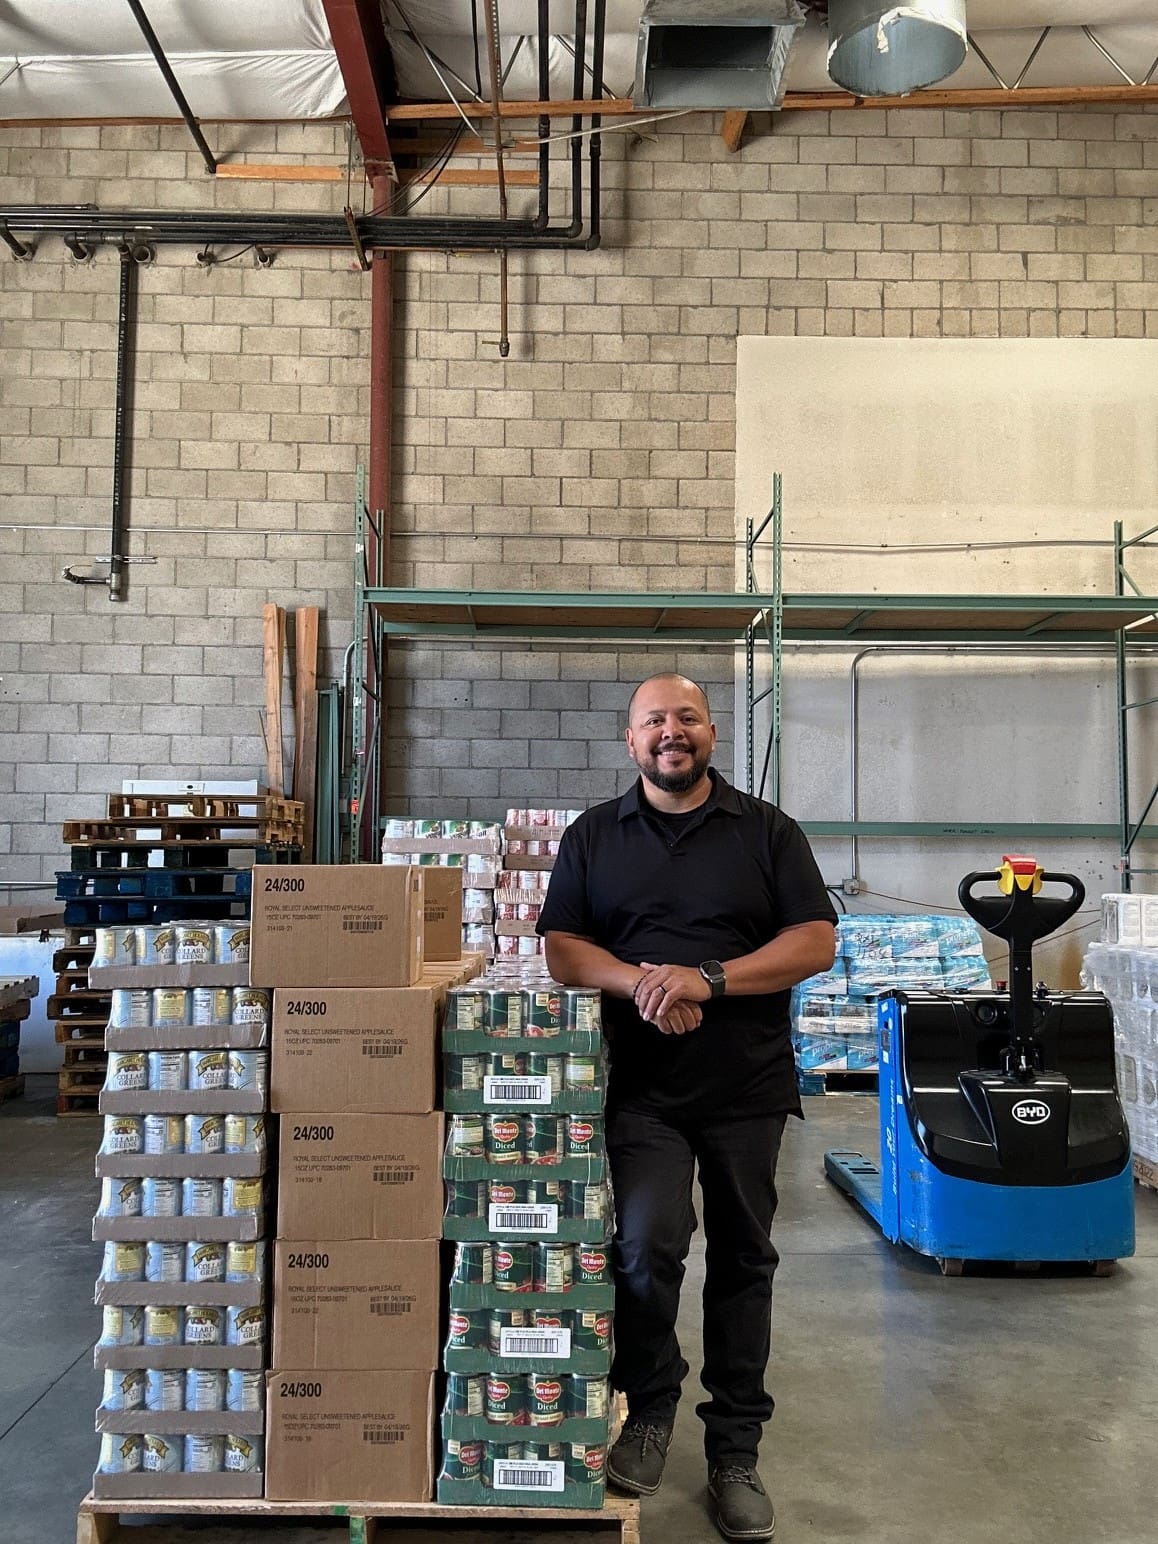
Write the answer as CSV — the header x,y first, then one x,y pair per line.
x,y
577,961
792,956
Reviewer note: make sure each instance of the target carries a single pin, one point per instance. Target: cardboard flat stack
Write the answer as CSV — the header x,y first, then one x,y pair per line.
x,y
355,1275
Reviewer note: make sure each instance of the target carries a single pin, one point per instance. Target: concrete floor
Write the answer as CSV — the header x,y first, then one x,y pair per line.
x,y
912,1409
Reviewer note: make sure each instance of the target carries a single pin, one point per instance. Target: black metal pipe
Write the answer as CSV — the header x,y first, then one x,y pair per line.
x,y
126,326
543,44
596,121
185,110
576,225
17,248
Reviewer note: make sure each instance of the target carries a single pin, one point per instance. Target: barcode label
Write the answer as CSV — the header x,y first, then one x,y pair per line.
x,y
383,1434
506,1090
389,1306
381,1048
523,1219
520,1343
361,924
394,1176
545,1474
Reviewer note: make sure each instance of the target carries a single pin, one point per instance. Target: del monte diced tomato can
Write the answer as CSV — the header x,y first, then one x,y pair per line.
x,y
584,1136
592,1265
546,1399
512,1267
506,1401
543,1012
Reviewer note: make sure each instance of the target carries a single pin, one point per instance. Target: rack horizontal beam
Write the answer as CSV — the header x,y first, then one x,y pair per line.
x,y
1004,830
723,616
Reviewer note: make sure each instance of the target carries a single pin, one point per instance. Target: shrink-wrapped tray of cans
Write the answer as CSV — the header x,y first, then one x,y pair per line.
x,y
535,1045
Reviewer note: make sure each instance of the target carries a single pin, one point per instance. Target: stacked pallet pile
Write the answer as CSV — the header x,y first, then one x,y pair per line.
x,y
16,994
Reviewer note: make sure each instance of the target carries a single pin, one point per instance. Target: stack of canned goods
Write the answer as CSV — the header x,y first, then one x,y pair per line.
x,y
172,943
194,1453
184,1388
168,1324
144,1007
183,1260
178,1071
539,1011
168,1135
518,1465
195,1196
527,1399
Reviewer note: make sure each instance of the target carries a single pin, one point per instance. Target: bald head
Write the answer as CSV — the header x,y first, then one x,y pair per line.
x,y
669,678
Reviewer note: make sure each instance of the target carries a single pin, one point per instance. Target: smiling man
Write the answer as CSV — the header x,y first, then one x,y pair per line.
x,y
696,908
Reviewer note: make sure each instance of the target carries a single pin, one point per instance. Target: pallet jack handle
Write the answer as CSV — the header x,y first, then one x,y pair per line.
x,y
1020,916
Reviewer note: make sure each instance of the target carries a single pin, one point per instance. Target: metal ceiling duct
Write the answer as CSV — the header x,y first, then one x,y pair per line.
x,y
714,54
890,50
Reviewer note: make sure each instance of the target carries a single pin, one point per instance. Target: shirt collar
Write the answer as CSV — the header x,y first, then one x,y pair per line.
x,y
722,797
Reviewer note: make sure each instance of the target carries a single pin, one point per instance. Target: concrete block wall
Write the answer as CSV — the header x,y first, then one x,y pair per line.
x,y
598,455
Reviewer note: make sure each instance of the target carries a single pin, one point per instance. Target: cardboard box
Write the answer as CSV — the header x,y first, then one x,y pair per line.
x,y
349,1436
341,1303
356,924
360,1049
443,913
360,1176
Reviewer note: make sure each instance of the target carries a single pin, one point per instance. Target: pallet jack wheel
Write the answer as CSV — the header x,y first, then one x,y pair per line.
x,y
951,1267
1105,1267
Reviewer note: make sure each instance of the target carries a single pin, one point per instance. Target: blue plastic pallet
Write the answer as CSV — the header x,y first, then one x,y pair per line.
x,y
154,883
95,910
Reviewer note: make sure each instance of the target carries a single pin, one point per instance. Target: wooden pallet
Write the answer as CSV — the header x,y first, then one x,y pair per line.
x,y
180,831
80,1031
203,806
98,1522
15,990
84,1002
77,1104
837,1080
81,1080
73,959
1146,1172
83,1053
11,1088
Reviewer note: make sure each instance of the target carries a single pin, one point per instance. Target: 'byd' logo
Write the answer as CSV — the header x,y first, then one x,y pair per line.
x,y
1030,1112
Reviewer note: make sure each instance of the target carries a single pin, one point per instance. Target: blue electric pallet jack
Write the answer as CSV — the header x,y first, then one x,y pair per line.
x,y
1002,1134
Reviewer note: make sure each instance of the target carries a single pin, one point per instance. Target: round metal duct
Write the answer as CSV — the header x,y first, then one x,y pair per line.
x,y
888,50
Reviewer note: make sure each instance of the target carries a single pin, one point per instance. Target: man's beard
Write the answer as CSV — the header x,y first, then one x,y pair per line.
x,y
675,782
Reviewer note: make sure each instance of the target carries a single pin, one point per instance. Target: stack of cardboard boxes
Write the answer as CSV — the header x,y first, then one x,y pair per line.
x,y
359,987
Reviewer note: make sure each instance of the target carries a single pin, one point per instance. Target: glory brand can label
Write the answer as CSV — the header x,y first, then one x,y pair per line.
x,y
168,1071
193,943
160,1197
162,1325
164,1388
244,1388
587,1397
164,1261
131,1009
119,1454
472,1265
123,1262
465,1394
241,1197
468,1329
205,1326
462,1460
231,943
208,1070
245,1262
245,1326
465,1198
545,1399
204,1262
592,1329
201,1197
204,1455
205,1133
121,1326
250,1005
161,1455
124,1390
127,1070
243,1455
243,1134
114,946
584,1136
512,1267
153,945
466,1136
170,1006
504,1139
593,1265
212,1005
554,1267
120,1198
123,1134
506,1401
205,1388
249,1069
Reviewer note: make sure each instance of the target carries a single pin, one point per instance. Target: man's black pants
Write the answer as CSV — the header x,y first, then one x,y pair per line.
x,y
652,1162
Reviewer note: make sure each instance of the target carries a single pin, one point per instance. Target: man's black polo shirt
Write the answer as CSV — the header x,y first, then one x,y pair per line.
x,y
717,886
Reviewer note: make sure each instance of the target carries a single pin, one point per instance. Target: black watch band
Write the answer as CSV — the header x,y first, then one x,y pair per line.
x,y
713,973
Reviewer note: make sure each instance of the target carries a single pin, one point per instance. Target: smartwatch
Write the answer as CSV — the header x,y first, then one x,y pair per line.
x,y
713,973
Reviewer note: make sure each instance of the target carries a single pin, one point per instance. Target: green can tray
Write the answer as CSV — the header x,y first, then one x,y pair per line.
x,y
587,1170
478,1359
569,1042
570,1101
474,1493
575,1428
468,1296
571,1230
